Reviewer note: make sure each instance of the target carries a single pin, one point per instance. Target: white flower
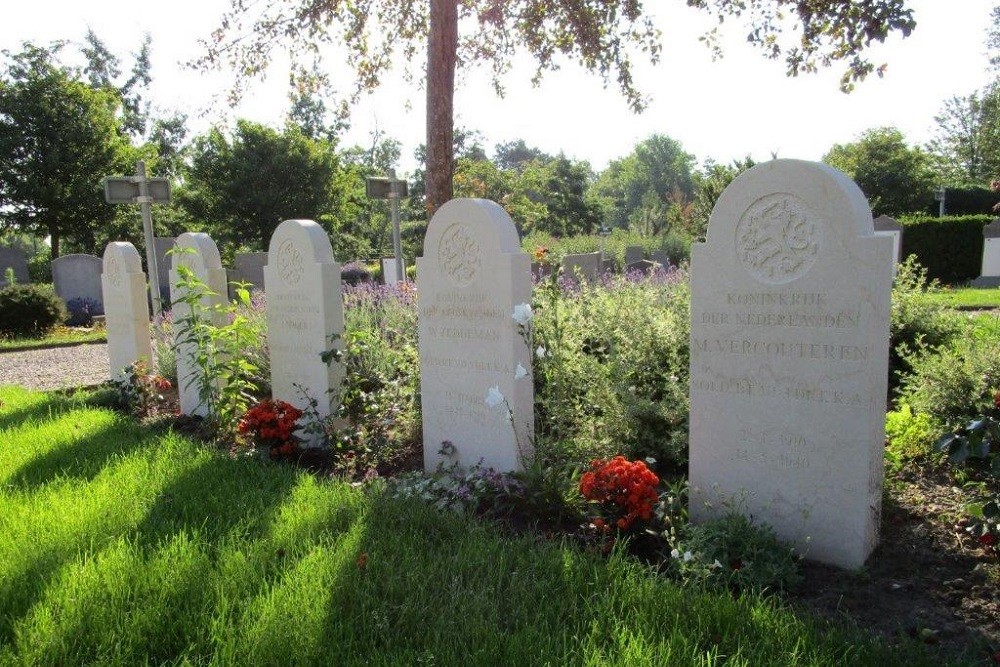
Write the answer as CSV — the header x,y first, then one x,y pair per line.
x,y
715,565
494,397
674,553
540,352
688,556
520,372
522,313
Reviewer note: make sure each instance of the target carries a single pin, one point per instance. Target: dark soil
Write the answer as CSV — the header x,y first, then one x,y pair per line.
x,y
927,578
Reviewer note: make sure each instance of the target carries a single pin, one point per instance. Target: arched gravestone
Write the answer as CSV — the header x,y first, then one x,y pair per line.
x,y
305,314
198,253
470,279
126,309
77,276
789,359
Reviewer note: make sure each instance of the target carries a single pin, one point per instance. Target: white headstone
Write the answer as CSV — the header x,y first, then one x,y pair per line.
x,y
198,253
990,273
305,315
789,359
886,226
389,276
77,277
126,308
471,279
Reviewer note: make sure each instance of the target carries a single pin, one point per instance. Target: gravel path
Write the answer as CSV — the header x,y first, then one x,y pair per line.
x,y
56,368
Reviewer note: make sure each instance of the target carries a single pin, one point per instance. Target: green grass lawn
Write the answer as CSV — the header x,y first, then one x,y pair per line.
x,y
966,297
61,336
126,545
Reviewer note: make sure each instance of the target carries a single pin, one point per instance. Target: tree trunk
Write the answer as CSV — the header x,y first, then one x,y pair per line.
x,y
442,53
53,243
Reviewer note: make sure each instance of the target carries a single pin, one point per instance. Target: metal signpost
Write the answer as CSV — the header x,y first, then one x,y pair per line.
x,y
381,187
143,191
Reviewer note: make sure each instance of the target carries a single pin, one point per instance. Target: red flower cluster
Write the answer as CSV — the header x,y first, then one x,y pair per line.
x,y
629,485
271,423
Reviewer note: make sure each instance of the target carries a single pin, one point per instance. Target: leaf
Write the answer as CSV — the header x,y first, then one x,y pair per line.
x,y
974,510
943,443
959,451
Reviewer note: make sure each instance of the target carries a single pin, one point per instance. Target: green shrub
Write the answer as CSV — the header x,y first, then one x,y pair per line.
x,y
951,247
30,310
676,247
910,434
916,322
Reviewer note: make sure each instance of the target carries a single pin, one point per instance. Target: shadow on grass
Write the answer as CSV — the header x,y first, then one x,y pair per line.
x,y
84,458
30,410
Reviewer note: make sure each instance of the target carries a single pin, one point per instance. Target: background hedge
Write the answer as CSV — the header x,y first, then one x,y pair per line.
x,y
951,248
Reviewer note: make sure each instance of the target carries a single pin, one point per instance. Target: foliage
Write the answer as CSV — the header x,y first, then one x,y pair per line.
x,y
639,191
916,321
270,425
478,490
614,245
910,435
735,552
103,71
966,145
953,383
896,178
611,368
29,310
623,490
951,248
164,353
58,136
246,184
138,391
216,335
709,185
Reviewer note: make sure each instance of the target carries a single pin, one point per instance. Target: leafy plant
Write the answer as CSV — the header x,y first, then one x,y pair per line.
x,y
82,311
623,491
270,425
217,336
138,391
29,310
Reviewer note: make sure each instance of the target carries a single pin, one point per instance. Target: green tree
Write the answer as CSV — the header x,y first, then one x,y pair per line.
x,y
603,37
638,191
709,184
896,178
562,186
104,71
58,138
243,186
517,154
966,145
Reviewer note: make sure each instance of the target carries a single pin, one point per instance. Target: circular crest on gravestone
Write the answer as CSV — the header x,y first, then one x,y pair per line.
x,y
113,272
459,254
290,262
778,238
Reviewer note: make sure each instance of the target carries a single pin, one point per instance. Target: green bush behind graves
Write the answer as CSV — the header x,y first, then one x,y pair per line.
x,y
677,247
951,248
29,310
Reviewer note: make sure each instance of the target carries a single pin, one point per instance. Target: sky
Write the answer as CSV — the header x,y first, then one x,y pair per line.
x,y
740,105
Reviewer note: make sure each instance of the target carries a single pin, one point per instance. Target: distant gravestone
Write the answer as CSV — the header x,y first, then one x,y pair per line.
x,y
789,358
389,276
643,267
248,268
886,226
198,253
608,265
475,365
13,258
126,307
633,254
583,267
661,257
78,277
990,275
305,315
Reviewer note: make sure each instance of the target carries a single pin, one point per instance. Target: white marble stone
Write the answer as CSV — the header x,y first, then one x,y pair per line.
x,y
77,276
198,253
475,365
886,226
789,358
305,315
126,308
990,273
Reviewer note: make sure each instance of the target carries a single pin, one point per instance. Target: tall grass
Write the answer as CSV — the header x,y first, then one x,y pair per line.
x,y
124,545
